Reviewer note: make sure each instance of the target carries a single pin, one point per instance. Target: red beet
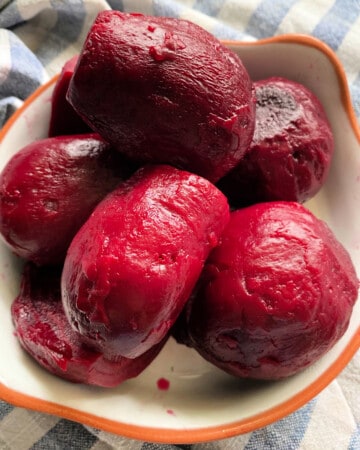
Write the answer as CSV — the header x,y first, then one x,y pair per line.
x,y
44,332
291,152
274,296
64,120
49,188
131,267
164,90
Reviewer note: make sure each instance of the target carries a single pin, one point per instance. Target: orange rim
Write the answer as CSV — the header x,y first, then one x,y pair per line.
x,y
4,130
238,427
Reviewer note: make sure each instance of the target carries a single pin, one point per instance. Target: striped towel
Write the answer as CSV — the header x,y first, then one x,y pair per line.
x,y
36,38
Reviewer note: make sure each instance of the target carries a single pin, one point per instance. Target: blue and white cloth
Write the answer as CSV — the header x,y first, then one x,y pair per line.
x,y
36,38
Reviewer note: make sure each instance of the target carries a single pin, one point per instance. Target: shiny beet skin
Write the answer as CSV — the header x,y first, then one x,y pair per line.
x,y
274,296
64,120
291,152
132,266
49,188
44,332
164,90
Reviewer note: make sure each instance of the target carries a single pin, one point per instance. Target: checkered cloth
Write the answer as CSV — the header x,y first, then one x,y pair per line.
x,y
36,38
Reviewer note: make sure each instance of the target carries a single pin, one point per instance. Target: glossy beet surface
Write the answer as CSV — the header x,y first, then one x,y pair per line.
x,y
49,188
291,152
44,332
64,120
164,90
274,296
131,267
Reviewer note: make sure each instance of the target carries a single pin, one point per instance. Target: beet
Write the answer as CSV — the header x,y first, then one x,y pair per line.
x,y
163,90
64,120
44,332
49,188
291,152
274,296
132,266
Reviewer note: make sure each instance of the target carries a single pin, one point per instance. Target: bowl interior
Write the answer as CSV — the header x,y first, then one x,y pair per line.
x,y
200,402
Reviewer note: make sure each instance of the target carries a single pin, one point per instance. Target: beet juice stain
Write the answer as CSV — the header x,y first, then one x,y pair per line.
x,y
163,384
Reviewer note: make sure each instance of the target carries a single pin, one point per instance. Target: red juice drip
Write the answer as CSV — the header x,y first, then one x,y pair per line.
x,y
163,384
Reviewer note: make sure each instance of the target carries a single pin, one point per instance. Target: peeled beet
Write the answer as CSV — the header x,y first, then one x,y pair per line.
x,y
132,266
291,152
44,332
49,188
64,120
274,296
164,90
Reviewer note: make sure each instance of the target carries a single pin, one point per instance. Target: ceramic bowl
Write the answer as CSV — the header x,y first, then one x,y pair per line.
x,y
180,398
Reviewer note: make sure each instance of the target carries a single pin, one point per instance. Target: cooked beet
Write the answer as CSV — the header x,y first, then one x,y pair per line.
x,y
131,267
274,296
49,188
44,332
163,90
64,120
291,152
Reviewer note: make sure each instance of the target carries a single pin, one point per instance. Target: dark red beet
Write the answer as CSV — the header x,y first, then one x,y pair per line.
x,y
274,296
44,332
164,90
49,188
291,152
131,267
64,120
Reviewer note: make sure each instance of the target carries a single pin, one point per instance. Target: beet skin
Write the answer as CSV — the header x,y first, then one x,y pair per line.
x,y
274,296
291,151
64,120
132,266
44,332
164,90
49,188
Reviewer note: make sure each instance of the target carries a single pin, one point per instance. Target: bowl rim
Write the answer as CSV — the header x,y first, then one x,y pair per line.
x,y
203,434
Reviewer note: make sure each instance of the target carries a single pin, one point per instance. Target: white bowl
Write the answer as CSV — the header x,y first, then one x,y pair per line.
x,y
201,403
